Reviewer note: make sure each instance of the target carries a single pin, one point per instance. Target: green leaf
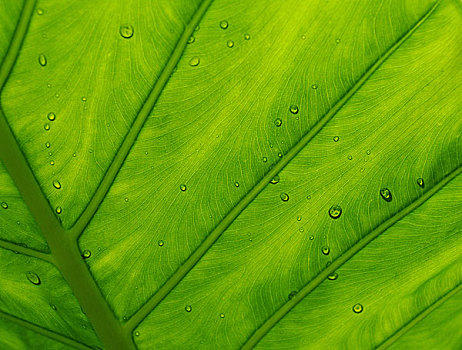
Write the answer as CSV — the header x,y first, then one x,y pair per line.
x,y
231,174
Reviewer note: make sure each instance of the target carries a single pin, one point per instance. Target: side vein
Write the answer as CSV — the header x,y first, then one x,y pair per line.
x,y
26,251
249,197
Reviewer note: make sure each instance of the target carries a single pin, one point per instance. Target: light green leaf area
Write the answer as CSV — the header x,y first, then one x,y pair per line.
x,y
234,174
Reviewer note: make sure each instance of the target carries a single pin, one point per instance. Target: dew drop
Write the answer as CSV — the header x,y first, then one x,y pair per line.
x,y
224,24
337,41
278,122
308,197
188,308
303,37
86,254
357,308
292,294
386,194
264,159
311,237
284,197
160,243
191,39
299,218
336,138
230,43
4,205
126,199
197,28
314,86
333,276
137,334
247,37
350,157
236,184
420,182
280,155
51,116
33,278
368,152
46,127
52,162
293,109
47,145
126,31
275,179
183,187
53,307
56,184
193,62
325,250
222,315
59,210
42,60
84,99
301,229
335,211
40,12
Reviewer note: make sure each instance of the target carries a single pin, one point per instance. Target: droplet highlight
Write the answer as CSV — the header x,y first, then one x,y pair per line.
x,y
193,62
357,308
224,24
33,278
325,250
86,254
278,122
336,138
335,211
51,116
284,197
188,308
42,59
420,182
293,109
183,187
59,210
4,205
386,194
230,43
333,276
126,31
56,184
275,179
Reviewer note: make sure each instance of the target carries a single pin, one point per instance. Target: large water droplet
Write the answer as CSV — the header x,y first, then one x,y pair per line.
x,y
33,278
42,60
284,197
183,187
46,127
56,184
247,37
193,62
126,31
314,86
86,254
275,179
292,294
336,138
40,11
278,122
188,308
59,210
191,39
350,157
335,211
325,250
357,308
386,194
47,145
333,276
4,205
293,109
236,184
160,243
222,315
420,182
224,24
230,43
51,116
137,334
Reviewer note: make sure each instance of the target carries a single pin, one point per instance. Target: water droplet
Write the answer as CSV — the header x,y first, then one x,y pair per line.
x,y
53,307
336,138
420,182
311,237
303,37
230,43
86,254
51,116
265,159
236,184
188,308
335,211
301,229
284,197
160,243
74,155
56,184
183,187
337,41
299,218
386,194
46,127
280,155
278,122
40,12
368,152
52,162
293,109
84,99
222,315
275,179
126,199
224,24
357,308
197,28
47,145
314,86
350,157
126,31
4,205
33,278
50,154
325,250
247,37
308,197
191,39
137,334
193,62
333,276
42,60
292,294
59,210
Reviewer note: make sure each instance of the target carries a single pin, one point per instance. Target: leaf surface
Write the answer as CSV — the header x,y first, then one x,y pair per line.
x,y
233,174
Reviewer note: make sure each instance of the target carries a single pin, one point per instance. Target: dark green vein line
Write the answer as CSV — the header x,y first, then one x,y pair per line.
x,y
45,332
419,317
342,259
26,251
140,119
64,249
249,197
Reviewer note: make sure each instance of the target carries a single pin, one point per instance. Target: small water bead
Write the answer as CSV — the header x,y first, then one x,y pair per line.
x,y
420,182
86,254
284,197
336,138
314,86
56,184
126,31
53,307
51,116
126,199
193,62
303,37
247,37
4,205
47,145
264,159
308,197
337,41
311,237
236,184
197,28
59,210
50,154
350,157
84,99
137,334
40,12
275,179
183,187
222,315
293,109
33,278
42,60
46,127
299,218
160,243
292,294
191,39
224,24
188,308
335,211
386,194
357,308
278,122
280,155
301,229
230,43
333,276
325,250
74,155
52,162
368,152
